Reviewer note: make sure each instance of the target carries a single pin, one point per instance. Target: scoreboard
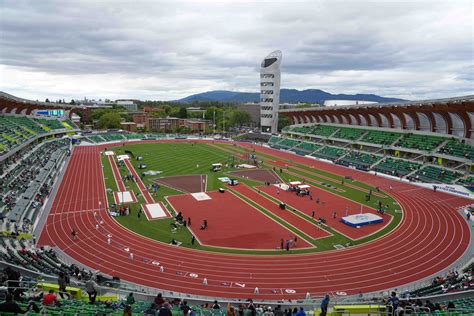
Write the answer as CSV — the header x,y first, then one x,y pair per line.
x,y
54,113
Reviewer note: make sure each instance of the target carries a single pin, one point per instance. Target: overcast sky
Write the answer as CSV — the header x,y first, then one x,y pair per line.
x,y
165,50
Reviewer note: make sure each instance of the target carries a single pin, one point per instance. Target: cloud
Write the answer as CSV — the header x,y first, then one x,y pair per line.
x,y
168,50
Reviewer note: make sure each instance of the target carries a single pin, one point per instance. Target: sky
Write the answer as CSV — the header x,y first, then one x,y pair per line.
x,y
166,50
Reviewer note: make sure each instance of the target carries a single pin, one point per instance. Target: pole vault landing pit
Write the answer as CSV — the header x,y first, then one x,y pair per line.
x,y
186,184
257,175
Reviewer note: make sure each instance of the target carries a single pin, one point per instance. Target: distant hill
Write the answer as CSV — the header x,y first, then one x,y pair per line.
x,y
286,96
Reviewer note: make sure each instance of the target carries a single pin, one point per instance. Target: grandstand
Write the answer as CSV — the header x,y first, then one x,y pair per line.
x,y
17,131
405,154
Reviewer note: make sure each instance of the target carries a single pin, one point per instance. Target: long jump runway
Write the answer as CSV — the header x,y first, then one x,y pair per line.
x,y
431,236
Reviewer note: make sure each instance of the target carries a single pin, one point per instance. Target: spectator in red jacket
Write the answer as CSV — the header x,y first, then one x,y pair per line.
x,y
50,299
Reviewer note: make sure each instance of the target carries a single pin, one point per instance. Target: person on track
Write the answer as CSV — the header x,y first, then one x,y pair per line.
x,y
74,234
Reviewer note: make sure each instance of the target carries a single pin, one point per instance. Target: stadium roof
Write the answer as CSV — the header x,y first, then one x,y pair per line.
x,y
388,104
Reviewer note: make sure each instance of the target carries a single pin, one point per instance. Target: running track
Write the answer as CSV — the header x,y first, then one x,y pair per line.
x,y
431,236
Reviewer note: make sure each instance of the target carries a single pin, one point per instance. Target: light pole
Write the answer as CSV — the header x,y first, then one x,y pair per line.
x,y
204,123
223,123
214,122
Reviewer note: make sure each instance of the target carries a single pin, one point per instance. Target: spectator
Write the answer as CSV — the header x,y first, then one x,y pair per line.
x,y
268,312
278,311
10,306
324,305
127,311
91,289
216,305
165,310
159,300
185,308
150,310
393,303
50,299
63,281
301,312
130,299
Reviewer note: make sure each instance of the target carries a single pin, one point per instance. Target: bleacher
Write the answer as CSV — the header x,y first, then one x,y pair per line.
x,y
435,174
49,124
456,148
305,148
323,130
359,160
420,142
273,140
380,137
25,186
286,143
300,129
112,137
27,124
8,137
349,133
469,181
396,167
330,153
16,130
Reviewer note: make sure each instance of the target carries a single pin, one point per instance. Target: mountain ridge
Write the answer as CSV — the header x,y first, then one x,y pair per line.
x,y
286,96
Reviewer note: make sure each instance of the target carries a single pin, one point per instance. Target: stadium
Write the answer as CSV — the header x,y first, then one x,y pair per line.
x,y
236,158
354,202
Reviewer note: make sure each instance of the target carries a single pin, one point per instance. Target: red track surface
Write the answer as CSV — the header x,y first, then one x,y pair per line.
x,y
146,195
431,236
328,204
305,226
118,178
232,222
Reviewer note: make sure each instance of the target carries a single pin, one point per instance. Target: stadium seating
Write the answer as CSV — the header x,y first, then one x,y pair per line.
x,y
108,137
469,181
323,130
25,186
359,160
300,129
380,137
27,124
9,136
15,130
286,143
305,148
456,148
273,140
435,174
113,137
396,167
49,124
349,133
420,142
330,153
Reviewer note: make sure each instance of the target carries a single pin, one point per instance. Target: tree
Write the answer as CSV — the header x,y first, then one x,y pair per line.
x,y
47,100
240,118
167,109
283,121
72,101
183,113
109,120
